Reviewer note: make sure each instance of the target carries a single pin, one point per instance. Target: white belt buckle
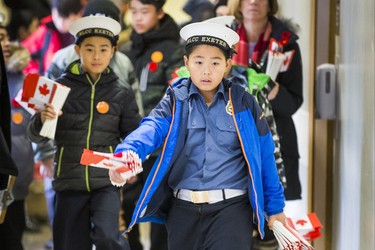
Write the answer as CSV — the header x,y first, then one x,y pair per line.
x,y
200,197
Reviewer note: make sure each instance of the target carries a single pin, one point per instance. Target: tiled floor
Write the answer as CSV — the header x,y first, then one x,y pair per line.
x,y
37,240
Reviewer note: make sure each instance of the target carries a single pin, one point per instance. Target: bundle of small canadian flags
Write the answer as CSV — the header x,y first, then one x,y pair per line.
x,y
297,231
127,163
277,61
39,90
288,238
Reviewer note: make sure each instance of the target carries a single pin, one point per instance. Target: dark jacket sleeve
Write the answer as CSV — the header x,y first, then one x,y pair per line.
x,y
7,166
34,128
45,150
54,71
130,114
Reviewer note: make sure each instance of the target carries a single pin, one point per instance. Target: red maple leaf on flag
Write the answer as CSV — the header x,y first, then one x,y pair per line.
x,y
44,89
286,61
301,222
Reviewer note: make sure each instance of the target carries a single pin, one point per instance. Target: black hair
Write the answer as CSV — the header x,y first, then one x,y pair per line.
x,y
19,18
157,3
67,7
106,7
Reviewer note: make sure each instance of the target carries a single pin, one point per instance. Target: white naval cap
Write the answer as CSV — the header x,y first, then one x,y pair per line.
x,y
214,31
95,25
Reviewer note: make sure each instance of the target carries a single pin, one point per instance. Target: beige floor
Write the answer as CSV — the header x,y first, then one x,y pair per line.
x,y
36,241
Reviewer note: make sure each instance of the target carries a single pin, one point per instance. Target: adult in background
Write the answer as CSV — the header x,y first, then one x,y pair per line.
x,y
257,27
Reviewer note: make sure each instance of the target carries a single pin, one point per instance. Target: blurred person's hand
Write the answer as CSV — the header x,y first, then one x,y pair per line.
x,y
46,168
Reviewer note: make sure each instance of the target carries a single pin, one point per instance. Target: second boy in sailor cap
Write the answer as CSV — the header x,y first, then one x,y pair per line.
x,y
216,172
97,114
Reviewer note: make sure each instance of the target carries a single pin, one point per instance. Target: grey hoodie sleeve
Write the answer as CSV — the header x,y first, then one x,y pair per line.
x,y
44,150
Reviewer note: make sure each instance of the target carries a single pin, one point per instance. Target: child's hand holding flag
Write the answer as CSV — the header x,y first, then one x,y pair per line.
x,y
121,166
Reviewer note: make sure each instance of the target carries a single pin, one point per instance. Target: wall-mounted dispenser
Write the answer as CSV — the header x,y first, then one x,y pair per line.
x,y
326,92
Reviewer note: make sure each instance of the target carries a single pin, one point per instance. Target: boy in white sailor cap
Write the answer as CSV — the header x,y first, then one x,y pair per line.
x,y
97,114
216,172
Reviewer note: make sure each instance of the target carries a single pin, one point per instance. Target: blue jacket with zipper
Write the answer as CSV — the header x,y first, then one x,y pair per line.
x,y
166,126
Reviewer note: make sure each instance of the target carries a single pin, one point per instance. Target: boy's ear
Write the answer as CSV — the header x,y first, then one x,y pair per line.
x,y
76,49
186,60
113,51
161,14
228,67
229,63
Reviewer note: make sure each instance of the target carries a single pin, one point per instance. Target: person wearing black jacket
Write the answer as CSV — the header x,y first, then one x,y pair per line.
x,y
261,33
98,112
7,166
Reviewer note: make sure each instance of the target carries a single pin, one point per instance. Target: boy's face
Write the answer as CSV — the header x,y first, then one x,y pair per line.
x,y
207,66
144,17
95,53
5,44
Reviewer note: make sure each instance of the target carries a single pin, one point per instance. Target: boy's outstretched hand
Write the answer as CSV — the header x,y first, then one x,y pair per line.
x,y
116,178
121,175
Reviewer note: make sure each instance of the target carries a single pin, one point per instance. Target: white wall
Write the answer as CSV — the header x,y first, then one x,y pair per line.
x,y
353,224
299,12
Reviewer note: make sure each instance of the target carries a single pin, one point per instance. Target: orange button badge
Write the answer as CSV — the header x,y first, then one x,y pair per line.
x,y
17,118
156,57
102,107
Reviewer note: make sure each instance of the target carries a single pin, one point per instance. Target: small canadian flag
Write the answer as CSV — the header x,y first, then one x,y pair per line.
x,y
288,56
308,226
37,90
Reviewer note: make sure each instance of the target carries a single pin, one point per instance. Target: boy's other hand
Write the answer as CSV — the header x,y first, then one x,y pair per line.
x,y
48,113
279,217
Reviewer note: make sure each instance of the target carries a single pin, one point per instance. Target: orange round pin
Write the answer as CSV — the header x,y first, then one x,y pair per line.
x,y
17,118
102,107
157,57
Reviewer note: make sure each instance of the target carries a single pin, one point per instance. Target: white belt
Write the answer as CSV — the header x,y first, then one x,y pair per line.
x,y
209,196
